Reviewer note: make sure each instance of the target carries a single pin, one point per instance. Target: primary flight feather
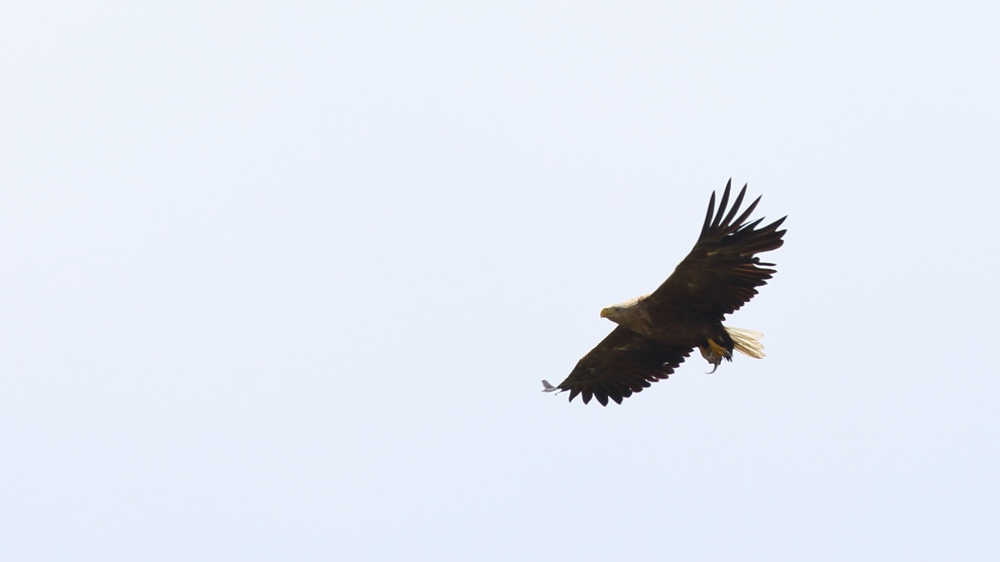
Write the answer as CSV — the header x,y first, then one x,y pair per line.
x,y
656,332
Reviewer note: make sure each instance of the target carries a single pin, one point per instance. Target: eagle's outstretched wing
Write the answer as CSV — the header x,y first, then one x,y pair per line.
x,y
722,272
623,363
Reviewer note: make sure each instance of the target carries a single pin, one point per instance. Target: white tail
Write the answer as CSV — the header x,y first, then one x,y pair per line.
x,y
747,342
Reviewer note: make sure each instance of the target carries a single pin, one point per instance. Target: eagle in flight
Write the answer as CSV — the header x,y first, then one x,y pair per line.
x,y
656,332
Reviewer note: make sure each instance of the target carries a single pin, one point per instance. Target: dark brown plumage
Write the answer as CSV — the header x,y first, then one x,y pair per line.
x,y
658,331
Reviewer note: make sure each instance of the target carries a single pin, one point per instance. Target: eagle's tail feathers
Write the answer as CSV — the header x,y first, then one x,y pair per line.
x,y
747,342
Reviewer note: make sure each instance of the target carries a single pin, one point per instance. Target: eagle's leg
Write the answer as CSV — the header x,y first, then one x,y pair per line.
x,y
714,354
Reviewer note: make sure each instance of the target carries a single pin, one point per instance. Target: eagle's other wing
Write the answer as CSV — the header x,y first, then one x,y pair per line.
x,y
721,273
623,363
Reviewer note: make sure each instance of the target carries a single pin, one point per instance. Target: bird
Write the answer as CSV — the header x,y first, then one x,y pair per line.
x,y
656,332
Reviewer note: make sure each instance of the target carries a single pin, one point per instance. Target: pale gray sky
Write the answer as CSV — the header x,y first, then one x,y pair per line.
x,y
280,280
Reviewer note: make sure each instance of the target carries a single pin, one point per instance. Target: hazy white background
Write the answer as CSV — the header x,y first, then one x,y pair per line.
x,y
279,281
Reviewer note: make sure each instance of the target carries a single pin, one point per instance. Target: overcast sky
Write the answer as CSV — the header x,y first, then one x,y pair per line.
x,y
280,280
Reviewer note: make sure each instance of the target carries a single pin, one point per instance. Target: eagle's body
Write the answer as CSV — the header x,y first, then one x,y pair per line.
x,y
656,332
646,319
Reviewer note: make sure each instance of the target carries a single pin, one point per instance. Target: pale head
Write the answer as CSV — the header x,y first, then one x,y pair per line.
x,y
618,312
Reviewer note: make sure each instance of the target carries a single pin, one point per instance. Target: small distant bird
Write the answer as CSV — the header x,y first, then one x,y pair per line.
x,y
656,332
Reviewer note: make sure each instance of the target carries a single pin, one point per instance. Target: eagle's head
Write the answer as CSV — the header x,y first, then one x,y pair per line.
x,y
618,312
613,312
